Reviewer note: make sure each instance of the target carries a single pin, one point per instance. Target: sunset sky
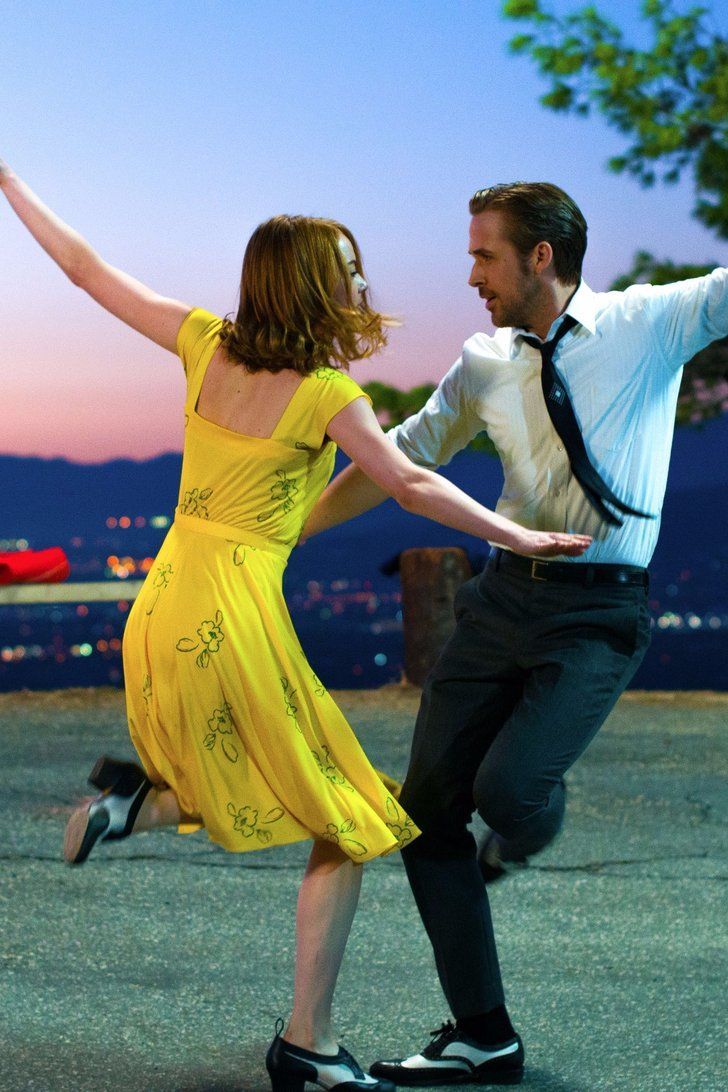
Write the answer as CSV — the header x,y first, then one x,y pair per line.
x,y
165,132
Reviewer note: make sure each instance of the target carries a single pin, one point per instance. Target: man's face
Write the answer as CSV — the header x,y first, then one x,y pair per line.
x,y
504,277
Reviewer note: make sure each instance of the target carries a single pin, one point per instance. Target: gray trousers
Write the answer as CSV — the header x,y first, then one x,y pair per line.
x,y
520,689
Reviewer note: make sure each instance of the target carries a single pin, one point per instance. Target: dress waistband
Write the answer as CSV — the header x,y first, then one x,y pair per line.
x,y
232,534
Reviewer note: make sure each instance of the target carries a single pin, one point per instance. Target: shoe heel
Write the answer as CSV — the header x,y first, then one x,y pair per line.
x,y
282,1083
114,775
515,1077
105,773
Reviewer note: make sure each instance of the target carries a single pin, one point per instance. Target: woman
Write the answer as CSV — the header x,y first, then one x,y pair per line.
x,y
233,729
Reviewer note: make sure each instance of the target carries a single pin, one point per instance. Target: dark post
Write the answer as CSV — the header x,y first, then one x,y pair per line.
x,y
430,577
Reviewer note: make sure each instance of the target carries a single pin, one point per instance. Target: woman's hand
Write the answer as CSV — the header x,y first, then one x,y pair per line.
x,y
549,543
5,171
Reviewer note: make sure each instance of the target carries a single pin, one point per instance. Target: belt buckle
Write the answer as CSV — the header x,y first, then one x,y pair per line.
x,y
534,576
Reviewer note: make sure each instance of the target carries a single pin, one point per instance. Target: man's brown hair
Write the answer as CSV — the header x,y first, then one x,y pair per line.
x,y
537,212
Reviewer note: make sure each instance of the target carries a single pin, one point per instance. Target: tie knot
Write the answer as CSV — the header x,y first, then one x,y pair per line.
x,y
567,323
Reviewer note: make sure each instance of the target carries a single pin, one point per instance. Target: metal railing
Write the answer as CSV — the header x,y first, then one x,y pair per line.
x,y
95,591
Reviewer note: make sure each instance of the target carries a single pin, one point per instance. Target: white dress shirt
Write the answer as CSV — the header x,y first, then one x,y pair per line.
x,y
621,366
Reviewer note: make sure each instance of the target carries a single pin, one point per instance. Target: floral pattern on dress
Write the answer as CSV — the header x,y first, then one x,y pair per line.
x,y
339,835
329,769
192,504
220,725
288,696
401,825
211,636
247,823
240,553
327,374
318,687
160,582
283,495
147,692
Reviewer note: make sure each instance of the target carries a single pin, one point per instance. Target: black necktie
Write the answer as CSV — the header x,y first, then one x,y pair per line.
x,y
563,418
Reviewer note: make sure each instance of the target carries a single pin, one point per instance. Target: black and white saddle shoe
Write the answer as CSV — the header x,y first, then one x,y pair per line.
x,y
291,1067
111,815
493,862
455,1058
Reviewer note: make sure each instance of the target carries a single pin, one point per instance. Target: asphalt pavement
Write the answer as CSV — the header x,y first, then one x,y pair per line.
x,y
162,964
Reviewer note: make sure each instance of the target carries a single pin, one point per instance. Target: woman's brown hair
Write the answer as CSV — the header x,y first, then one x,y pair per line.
x,y
297,308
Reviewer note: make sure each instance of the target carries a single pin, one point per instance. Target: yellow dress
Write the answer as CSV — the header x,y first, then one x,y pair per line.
x,y
222,704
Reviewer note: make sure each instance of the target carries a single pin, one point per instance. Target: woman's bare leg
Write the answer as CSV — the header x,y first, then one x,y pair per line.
x,y
160,809
327,900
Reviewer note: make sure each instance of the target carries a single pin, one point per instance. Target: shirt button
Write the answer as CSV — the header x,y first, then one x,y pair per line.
x,y
559,447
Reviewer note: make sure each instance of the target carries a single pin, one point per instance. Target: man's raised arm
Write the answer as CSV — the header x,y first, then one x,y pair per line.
x,y
687,315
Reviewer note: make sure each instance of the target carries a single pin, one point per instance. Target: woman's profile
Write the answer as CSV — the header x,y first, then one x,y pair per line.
x,y
234,730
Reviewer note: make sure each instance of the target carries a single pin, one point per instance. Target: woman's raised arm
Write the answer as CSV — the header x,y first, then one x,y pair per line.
x,y
155,316
357,432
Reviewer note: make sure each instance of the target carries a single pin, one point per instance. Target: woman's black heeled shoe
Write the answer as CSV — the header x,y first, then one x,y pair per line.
x,y
110,816
290,1067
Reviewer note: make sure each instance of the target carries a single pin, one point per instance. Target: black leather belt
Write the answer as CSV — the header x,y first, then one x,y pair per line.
x,y
577,572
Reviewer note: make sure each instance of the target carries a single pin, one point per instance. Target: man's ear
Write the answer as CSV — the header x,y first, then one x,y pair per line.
x,y
542,257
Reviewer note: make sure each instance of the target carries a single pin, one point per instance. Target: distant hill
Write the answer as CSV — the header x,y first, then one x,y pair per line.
x,y
44,499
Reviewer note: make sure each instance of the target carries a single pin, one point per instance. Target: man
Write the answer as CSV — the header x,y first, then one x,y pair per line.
x,y
577,390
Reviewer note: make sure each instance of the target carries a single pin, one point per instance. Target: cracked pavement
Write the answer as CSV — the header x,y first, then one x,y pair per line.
x,y
162,964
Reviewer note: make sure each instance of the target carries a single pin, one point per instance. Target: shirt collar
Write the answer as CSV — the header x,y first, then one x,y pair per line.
x,y
582,306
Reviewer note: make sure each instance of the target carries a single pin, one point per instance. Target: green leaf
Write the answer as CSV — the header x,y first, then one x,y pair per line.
x,y
520,9
274,815
560,98
520,43
568,64
186,644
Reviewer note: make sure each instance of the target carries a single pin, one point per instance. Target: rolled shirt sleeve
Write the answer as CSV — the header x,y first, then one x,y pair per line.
x,y
685,316
445,424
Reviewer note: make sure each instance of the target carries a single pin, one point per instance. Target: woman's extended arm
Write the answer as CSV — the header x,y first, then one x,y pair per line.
x,y
357,432
349,494
157,317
